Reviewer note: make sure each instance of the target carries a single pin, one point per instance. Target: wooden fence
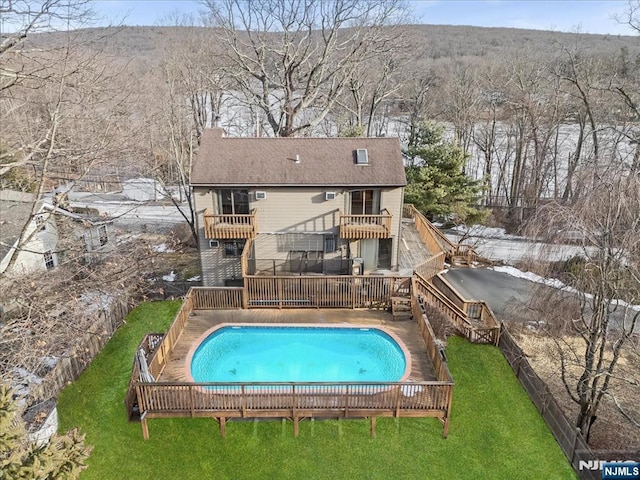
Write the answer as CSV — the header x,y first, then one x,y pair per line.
x,y
68,369
566,434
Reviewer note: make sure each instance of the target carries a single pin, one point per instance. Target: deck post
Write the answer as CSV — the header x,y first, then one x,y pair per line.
x,y
296,429
373,427
245,293
145,427
445,430
353,291
223,426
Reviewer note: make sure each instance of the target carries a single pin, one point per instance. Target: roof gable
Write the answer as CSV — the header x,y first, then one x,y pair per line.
x,y
296,161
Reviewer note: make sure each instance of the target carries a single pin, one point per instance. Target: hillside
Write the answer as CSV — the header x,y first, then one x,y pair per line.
x,y
426,42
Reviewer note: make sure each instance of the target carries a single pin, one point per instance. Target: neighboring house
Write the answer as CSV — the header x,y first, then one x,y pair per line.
x,y
54,235
311,205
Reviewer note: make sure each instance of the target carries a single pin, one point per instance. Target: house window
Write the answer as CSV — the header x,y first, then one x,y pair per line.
x,y
103,235
48,260
234,202
329,243
365,202
233,248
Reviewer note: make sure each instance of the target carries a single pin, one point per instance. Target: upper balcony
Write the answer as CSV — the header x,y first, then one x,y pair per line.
x,y
229,225
366,226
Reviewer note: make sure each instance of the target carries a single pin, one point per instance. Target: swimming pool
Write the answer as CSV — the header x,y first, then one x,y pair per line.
x,y
298,353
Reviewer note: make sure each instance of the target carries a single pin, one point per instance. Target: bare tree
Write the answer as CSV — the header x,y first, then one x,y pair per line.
x,y
604,322
64,111
292,58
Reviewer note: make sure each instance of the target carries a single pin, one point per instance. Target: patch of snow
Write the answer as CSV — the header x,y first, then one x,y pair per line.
x,y
23,381
162,248
94,300
197,278
170,277
486,232
50,362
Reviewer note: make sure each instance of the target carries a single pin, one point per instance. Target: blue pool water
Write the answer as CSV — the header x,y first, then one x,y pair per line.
x,y
298,354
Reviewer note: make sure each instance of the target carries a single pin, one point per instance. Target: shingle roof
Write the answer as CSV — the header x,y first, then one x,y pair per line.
x,y
15,208
272,161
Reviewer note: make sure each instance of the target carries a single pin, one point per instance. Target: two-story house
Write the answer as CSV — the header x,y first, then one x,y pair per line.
x,y
53,235
310,205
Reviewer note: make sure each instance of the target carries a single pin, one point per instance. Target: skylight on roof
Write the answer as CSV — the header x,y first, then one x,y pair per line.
x,y
362,156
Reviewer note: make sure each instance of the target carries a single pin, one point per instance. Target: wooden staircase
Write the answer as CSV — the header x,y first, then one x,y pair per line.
x,y
460,261
401,308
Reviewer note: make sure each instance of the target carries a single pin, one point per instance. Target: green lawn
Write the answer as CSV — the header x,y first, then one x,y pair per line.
x,y
495,431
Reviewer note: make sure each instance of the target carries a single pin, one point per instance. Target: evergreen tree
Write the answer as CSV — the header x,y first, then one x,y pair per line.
x,y
437,185
62,458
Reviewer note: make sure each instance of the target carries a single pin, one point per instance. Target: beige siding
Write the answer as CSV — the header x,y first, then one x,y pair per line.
x,y
392,200
204,198
288,210
298,209
216,268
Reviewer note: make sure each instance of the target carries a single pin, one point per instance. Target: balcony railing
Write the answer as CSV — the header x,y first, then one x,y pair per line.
x,y
366,226
229,225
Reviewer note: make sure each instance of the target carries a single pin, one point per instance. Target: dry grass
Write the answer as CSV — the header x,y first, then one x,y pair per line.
x,y
611,431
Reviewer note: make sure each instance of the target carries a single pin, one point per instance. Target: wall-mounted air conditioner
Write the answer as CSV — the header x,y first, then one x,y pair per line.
x,y
261,195
329,195
214,243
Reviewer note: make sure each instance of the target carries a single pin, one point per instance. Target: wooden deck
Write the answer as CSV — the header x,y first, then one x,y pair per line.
x,y
412,249
407,330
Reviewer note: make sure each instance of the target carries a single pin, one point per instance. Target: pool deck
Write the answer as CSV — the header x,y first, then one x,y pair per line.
x,y
203,320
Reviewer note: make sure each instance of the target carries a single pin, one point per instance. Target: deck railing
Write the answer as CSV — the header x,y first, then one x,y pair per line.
x,y
159,359
474,320
216,298
338,291
294,400
431,266
287,267
436,355
218,226
366,226
432,296
435,240
148,344
489,329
